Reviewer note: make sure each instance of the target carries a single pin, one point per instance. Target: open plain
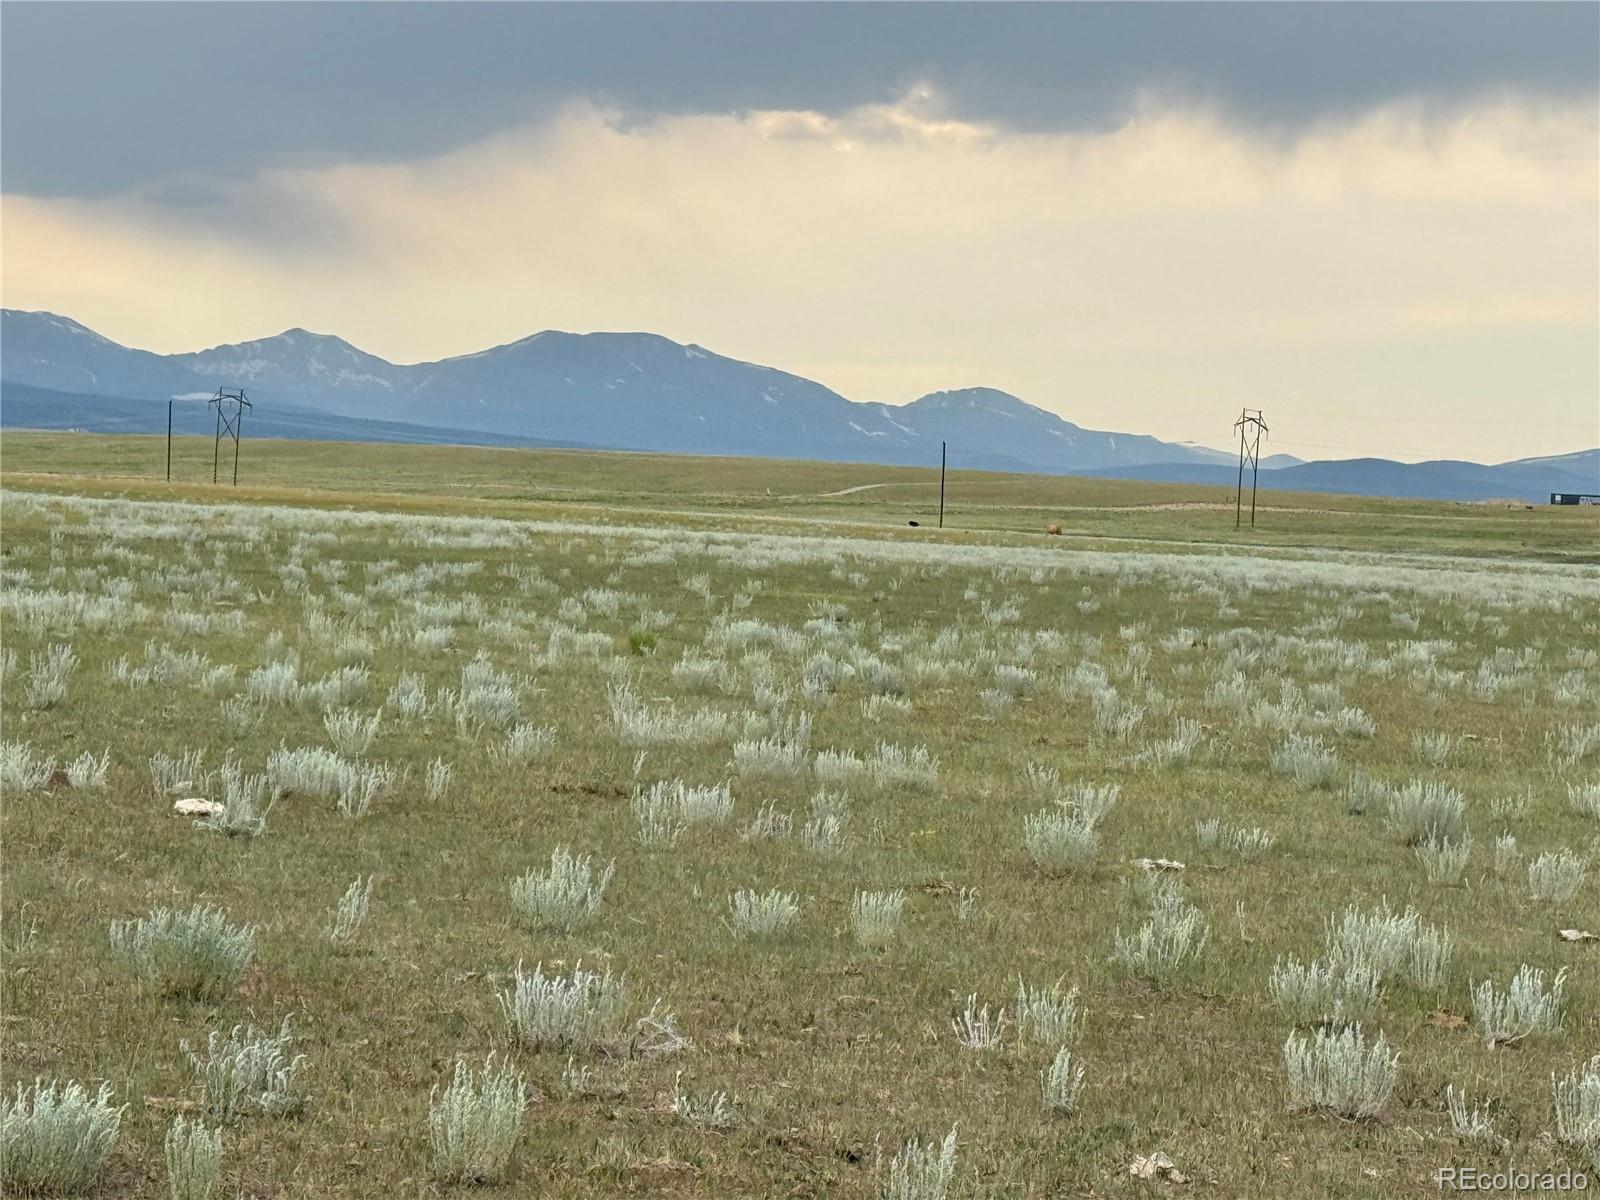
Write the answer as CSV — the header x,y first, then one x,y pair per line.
x,y
757,834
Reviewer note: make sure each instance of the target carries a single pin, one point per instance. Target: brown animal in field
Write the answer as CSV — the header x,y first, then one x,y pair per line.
x,y
1053,530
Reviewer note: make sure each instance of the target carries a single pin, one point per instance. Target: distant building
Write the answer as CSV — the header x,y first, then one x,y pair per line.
x,y
1573,498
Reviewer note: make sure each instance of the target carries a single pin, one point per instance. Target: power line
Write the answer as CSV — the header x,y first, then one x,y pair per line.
x,y
1250,427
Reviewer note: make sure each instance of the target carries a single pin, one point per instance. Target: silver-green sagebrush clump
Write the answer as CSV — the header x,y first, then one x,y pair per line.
x,y
565,896
474,1124
194,953
1340,1073
194,1160
55,1137
246,1072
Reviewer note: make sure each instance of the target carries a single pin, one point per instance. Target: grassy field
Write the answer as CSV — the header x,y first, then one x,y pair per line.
x,y
711,492
551,638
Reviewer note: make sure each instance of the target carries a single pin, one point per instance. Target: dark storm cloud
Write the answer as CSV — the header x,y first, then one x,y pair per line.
x,y
101,97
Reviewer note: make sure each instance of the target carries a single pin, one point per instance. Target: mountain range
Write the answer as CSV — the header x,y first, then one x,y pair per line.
x,y
641,391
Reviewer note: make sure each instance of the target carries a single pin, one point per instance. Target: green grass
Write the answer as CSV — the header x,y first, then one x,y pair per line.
x,y
711,492
831,1052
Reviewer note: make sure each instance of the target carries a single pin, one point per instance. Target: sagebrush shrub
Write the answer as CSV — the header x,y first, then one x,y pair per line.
x,y
976,1029
169,775
1362,791
768,825
86,772
565,896
306,771
712,1110
693,673
1428,958
488,697
875,917
779,755
408,696
524,743
839,767
1307,761
1434,747
922,1172
910,768
1509,807
1173,939
246,1072
366,782
581,1010
49,675
275,683
707,805
823,835
1047,1015
1243,843
994,703
474,1124
1443,860
641,725
1423,810
349,731
1577,1105
1044,785
1474,1126
1338,1072
1177,750
195,953
1506,855
1523,1009
1584,798
1556,876
880,707
1059,841
348,916
437,780
1091,802
1116,717
194,1160
1352,722
657,815
242,813
1062,1082
20,771
1378,941
1316,993
762,914
55,1137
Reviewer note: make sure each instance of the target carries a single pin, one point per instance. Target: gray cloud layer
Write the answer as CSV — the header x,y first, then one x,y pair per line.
x,y
97,98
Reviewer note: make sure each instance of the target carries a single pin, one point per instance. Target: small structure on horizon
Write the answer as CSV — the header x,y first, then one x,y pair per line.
x,y
1574,498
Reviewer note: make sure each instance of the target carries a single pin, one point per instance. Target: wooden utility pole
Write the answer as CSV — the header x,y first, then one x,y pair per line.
x,y
942,455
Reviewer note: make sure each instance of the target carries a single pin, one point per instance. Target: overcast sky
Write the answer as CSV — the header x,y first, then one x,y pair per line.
x,y
1376,222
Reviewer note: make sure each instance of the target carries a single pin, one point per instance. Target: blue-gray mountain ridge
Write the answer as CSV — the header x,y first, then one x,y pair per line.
x,y
637,391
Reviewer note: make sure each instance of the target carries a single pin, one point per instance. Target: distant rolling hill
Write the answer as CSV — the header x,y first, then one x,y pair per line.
x,y
23,406
1531,480
640,391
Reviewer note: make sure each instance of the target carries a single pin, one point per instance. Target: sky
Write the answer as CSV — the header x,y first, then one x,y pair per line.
x,y
1380,224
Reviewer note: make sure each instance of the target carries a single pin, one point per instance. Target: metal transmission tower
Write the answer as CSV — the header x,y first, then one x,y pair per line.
x,y
1250,427
230,424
